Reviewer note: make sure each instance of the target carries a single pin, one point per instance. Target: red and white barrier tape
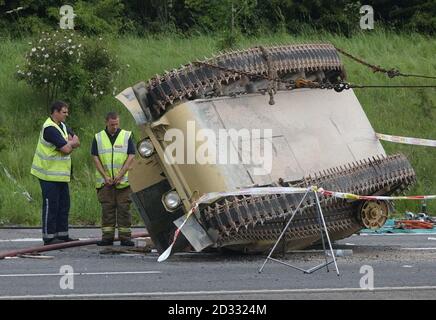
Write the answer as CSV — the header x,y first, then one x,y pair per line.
x,y
167,252
407,140
357,197
209,197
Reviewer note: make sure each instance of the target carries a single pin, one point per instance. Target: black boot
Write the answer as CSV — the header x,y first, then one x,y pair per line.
x,y
127,243
105,242
53,241
67,239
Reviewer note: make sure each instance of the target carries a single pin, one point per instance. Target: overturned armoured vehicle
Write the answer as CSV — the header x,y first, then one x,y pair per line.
x,y
316,137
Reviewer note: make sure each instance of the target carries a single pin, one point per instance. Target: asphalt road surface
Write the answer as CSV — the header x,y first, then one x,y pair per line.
x,y
386,266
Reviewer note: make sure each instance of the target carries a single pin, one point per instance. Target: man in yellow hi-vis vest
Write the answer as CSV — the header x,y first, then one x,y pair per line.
x,y
52,166
113,152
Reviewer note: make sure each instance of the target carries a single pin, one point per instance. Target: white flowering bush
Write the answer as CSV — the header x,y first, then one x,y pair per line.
x,y
68,66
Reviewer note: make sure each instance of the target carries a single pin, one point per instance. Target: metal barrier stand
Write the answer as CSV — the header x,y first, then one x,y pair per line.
x,y
323,228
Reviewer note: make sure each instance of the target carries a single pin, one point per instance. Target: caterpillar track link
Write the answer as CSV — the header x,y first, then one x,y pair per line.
x,y
239,72
253,223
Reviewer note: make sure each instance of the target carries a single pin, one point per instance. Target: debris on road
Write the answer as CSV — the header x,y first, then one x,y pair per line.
x,y
118,250
413,224
59,246
415,221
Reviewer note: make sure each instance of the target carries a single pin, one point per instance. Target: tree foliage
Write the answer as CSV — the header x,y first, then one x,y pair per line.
x,y
142,17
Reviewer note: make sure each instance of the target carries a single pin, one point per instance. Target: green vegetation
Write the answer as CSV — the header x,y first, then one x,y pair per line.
x,y
81,68
251,17
408,112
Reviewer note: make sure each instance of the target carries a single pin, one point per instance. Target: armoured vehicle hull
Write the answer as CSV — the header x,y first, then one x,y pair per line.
x,y
309,137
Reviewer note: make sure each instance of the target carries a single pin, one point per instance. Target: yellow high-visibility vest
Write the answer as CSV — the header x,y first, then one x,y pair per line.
x,y
50,164
112,157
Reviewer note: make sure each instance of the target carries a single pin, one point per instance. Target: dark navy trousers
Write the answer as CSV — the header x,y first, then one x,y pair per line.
x,y
55,209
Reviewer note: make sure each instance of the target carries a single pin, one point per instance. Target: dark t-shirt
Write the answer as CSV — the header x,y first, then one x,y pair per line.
x,y
112,138
52,135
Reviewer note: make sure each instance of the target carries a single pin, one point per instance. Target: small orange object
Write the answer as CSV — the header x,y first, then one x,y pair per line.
x,y
413,224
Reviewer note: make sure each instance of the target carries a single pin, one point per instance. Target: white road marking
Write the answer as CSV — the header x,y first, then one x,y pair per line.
x,y
22,240
418,249
431,238
76,274
223,292
33,240
407,266
131,254
396,234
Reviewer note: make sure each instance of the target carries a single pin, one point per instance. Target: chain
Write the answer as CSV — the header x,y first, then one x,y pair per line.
x,y
341,86
393,86
302,83
391,73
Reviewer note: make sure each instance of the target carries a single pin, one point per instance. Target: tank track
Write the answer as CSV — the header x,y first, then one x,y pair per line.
x,y
254,222
245,71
